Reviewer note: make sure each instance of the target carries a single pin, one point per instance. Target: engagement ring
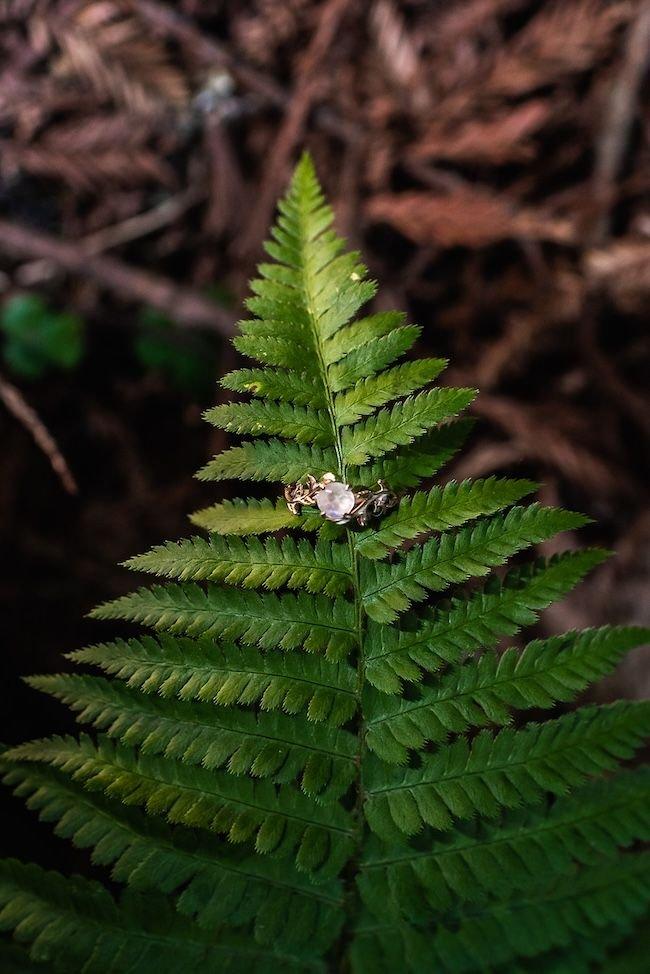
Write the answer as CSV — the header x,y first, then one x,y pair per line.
x,y
338,502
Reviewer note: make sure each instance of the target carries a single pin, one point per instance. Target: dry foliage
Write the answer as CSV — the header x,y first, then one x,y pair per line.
x,y
89,97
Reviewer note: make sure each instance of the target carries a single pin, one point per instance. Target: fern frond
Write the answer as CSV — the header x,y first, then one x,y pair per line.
x,y
439,509
212,883
588,899
229,676
312,622
631,957
267,789
476,622
339,269
581,955
410,465
273,419
373,391
267,745
276,819
324,567
280,384
269,460
486,690
337,289
15,959
284,353
389,589
580,904
483,860
242,517
462,780
402,423
72,924
359,333
372,357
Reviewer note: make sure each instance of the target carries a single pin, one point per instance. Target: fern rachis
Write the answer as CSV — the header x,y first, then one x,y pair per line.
x,y
290,773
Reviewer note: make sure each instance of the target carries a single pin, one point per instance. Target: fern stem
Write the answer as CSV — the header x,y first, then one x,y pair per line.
x,y
349,877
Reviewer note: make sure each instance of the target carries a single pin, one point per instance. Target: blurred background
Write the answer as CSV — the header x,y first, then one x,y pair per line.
x,y
490,158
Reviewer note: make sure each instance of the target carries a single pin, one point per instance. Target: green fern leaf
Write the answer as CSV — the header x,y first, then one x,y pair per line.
x,y
487,690
401,424
279,820
264,746
269,460
439,509
477,622
281,352
300,389
325,567
374,391
372,357
212,884
358,334
312,622
76,925
305,769
16,960
525,927
410,465
631,957
483,860
241,517
277,419
503,771
200,670
389,589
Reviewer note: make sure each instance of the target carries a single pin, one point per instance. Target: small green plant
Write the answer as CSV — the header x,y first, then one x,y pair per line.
x,y
319,761
186,360
37,338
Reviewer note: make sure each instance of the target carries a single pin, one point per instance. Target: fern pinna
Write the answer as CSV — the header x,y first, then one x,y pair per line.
x,y
323,758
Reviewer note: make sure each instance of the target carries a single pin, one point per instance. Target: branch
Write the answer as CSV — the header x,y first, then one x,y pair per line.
x,y
116,234
181,303
29,418
143,223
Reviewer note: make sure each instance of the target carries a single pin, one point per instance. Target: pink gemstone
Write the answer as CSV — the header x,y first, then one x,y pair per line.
x,y
335,501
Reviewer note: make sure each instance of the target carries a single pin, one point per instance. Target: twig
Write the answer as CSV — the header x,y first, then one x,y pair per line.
x,y
181,303
117,234
225,188
142,224
610,151
29,418
305,90
619,116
